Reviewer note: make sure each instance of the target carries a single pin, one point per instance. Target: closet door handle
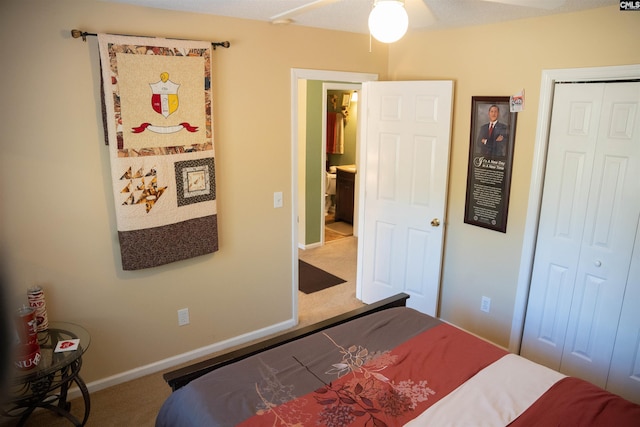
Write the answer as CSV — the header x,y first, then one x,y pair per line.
x,y
597,263
435,222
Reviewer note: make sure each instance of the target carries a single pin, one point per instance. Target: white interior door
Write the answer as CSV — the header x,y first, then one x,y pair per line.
x,y
403,176
590,204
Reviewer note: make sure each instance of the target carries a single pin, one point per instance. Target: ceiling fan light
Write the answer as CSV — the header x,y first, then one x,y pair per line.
x,y
388,21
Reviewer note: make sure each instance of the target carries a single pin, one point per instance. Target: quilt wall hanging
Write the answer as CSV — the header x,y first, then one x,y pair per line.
x,y
159,128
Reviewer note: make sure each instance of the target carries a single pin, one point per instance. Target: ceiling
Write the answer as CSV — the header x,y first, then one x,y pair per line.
x,y
351,15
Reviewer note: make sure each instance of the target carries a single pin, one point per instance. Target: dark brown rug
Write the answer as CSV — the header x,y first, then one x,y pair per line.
x,y
312,279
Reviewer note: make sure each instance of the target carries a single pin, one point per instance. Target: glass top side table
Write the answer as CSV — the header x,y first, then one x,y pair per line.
x,y
46,385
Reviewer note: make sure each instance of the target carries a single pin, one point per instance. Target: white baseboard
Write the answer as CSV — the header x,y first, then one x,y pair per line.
x,y
474,334
311,246
179,359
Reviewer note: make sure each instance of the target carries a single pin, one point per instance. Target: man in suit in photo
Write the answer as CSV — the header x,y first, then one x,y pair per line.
x,y
493,136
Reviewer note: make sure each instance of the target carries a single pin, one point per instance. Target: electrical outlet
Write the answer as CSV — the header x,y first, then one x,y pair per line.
x,y
485,305
183,316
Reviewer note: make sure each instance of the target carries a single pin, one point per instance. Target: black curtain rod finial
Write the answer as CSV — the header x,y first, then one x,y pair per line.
x,y
226,44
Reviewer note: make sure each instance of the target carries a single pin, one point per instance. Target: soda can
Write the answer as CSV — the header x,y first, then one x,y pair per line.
x,y
27,326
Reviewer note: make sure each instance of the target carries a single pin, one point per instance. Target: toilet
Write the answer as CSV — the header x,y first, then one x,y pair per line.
x,y
330,191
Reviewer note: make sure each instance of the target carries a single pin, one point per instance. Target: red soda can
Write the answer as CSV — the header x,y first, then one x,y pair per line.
x,y
27,326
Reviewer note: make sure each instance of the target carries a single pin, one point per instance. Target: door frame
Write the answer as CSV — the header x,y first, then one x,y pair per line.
x,y
298,74
536,187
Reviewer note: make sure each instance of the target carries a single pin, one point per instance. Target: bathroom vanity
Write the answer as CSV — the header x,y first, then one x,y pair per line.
x,y
345,191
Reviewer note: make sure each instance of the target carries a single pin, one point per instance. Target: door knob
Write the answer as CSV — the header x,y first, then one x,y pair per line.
x,y
435,222
598,263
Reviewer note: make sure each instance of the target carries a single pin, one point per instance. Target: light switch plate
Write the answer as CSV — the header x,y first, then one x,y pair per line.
x,y
485,305
277,199
183,316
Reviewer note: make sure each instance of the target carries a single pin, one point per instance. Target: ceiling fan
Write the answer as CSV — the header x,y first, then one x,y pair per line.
x,y
419,11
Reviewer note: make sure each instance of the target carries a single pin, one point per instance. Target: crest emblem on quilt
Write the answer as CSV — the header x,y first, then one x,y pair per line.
x,y
164,101
164,95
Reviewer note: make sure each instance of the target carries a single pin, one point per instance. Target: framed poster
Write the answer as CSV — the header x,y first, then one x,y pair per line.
x,y
493,130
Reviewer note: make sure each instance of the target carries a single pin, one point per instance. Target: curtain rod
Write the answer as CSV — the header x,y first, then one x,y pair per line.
x,y
77,34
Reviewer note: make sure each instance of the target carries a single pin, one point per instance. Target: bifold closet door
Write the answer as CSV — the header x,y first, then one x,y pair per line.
x,y
624,374
586,234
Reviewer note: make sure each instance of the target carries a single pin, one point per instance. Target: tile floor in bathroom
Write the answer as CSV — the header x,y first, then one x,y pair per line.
x,y
330,235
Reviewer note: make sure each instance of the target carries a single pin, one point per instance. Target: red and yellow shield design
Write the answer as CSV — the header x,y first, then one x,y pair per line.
x,y
164,95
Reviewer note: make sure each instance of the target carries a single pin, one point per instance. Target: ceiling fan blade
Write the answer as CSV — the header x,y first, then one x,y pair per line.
x,y
420,16
289,14
538,4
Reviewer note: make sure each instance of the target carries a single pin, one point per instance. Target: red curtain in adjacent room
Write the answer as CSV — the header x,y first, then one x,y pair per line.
x,y
335,134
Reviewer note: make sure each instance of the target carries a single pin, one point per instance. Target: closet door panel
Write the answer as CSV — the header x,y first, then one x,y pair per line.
x,y
624,373
572,141
612,215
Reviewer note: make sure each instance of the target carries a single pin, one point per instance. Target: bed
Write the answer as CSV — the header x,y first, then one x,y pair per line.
x,y
383,365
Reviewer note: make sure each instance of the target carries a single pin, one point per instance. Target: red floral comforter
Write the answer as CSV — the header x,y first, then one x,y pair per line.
x,y
391,389
387,369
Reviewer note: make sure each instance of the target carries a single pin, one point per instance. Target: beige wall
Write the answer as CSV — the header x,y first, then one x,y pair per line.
x,y
57,213
478,261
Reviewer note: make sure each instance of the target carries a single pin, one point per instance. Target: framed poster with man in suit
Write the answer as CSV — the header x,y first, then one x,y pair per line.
x,y
493,129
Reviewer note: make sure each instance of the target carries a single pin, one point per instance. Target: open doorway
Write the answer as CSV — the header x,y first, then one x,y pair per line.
x,y
308,175
338,152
